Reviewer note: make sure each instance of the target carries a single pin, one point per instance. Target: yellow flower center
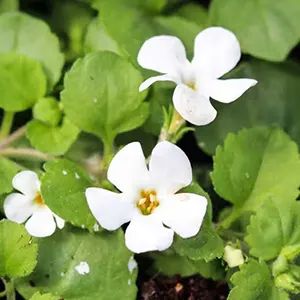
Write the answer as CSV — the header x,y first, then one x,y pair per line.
x,y
191,85
38,199
147,202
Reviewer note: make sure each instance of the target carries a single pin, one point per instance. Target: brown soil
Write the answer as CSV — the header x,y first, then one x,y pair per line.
x,y
178,288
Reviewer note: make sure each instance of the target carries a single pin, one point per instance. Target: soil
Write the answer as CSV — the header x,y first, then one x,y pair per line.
x,y
178,288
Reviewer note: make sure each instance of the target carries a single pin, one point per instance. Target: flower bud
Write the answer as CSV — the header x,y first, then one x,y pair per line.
x,y
234,257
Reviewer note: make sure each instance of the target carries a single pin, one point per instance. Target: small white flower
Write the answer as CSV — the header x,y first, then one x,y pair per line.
x,y
29,206
233,256
83,268
216,52
147,199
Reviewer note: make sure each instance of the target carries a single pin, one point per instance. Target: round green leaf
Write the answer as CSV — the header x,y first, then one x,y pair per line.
x,y
97,39
274,100
32,37
48,111
256,164
63,190
106,255
266,29
53,140
8,169
22,82
17,250
101,95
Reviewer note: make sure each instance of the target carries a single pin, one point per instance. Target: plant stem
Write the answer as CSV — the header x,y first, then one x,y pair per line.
x,y
25,152
176,123
13,137
7,121
10,290
226,223
108,153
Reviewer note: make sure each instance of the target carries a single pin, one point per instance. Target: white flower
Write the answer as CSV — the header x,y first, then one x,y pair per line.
x,y
147,199
234,257
216,52
30,205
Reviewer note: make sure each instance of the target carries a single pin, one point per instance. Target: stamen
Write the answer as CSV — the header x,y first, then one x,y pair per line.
x,y
39,200
147,202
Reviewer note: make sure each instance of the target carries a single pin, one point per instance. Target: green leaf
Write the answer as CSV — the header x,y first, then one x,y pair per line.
x,y
206,245
70,19
32,37
101,95
39,296
194,12
22,82
53,140
138,25
256,164
273,230
63,190
9,5
274,100
172,264
17,250
254,282
265,29
48,111
8,169
97,39
106,255
159,98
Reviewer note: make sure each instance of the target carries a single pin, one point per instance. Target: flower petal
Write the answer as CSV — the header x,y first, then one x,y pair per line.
x,y
170,168
59,221
147,233
193,106
41,224
27,182
228,90
151,80
164,54
128,168
18,208
184,213
216,52
110,210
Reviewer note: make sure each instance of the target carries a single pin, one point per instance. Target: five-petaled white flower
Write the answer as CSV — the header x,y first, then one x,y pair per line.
x,y
30,205
216,52
147,199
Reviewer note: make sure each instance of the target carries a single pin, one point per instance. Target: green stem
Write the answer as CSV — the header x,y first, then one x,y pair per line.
x,y
3,293
9,291
25,153
226,223
177,122
7,121
108,153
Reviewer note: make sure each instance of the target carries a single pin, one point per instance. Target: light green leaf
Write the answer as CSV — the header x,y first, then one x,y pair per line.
x,y
8,169
48,111
106,255
194,12
39,296
256,164
32,37
63,190
22,82
17,250
172,264
265,29
273,230
97,38
206,245
254,282
53,140
9,5
274,100
101,95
